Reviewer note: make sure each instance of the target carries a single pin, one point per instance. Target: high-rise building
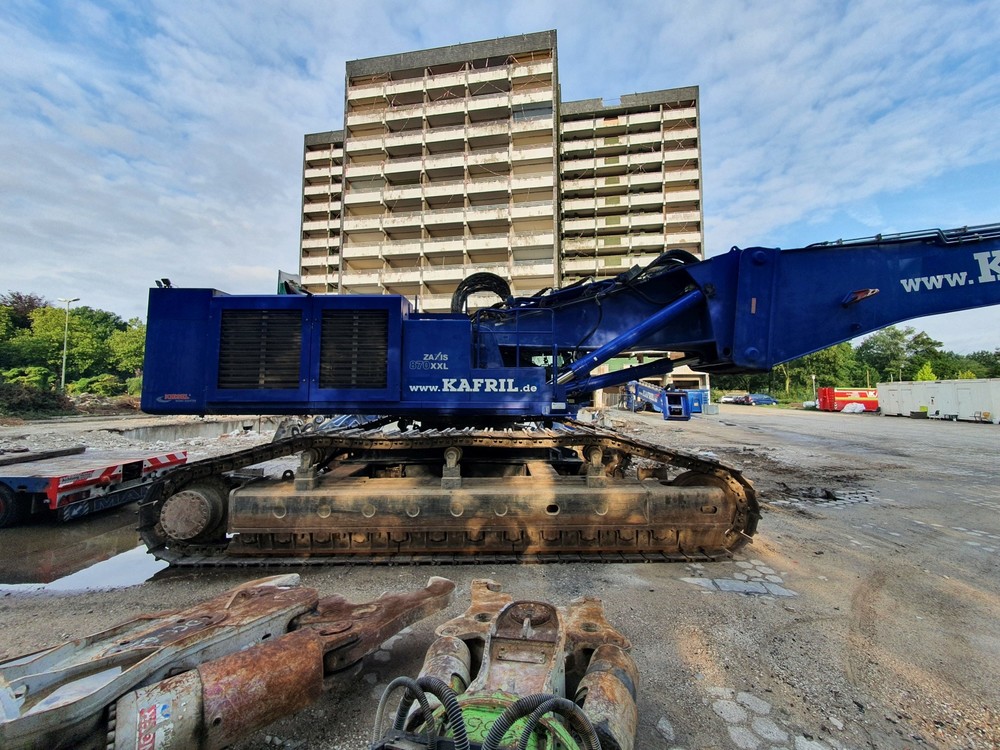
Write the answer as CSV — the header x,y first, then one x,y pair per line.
x,y
462,159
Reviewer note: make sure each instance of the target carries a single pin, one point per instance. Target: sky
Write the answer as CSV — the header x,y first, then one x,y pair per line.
x,y
163,138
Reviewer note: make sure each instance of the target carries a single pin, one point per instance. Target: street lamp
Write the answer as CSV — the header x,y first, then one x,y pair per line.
x,y
814,387
62,379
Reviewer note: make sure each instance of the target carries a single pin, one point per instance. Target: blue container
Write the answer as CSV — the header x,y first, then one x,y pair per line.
x,y
675,405
697,398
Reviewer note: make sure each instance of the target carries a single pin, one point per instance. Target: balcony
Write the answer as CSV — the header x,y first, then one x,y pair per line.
x,y
324,280
326,173
332,189
327,155
364,277
325,225
321,208
320,261
387,89
609,144
619,124
579,207
320,242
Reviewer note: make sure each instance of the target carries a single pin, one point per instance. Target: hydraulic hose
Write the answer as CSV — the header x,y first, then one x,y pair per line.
x,y
565,708
412,689
518,710
449,699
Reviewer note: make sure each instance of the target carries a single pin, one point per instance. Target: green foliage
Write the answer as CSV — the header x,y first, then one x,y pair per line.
x,y
98,342
966,375
885,353
99,385
6,323
133,386
889,354
990,362
18,400
32,377
128,347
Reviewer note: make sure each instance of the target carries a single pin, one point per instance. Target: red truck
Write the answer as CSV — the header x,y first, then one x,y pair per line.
x,y
835,399
72,483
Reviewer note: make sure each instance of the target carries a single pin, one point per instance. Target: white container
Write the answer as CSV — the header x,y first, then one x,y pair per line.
x,y
966,400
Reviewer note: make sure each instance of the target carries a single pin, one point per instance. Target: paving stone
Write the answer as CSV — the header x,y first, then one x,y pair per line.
x,y
776,590
743,738
755,704
766,571
774,579
764,727
756,562
382,656
705,583
665,728
730,711
743,564
741,587
740,576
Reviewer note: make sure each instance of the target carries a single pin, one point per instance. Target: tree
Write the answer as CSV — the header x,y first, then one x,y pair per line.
x,y
885,352
897,353
990,362
21,306
920,346
925,372
128,347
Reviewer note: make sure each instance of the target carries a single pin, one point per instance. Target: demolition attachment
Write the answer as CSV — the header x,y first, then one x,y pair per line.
x,y
200,678
521,672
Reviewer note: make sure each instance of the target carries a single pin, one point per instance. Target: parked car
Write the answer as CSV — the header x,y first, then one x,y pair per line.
x,y
761,399
730,398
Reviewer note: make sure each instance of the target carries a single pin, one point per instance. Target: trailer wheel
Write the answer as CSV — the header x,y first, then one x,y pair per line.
x,y
11,511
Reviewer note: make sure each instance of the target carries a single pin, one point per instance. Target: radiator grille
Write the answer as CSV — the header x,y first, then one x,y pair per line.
x,y
354,349
260,349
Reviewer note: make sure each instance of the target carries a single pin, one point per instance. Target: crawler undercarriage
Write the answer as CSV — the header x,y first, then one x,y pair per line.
x,y
374,495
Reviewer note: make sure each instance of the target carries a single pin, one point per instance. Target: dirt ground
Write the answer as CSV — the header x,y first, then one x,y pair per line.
x,y
866,613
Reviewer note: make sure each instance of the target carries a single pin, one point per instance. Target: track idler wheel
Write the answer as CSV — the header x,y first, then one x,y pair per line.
x,y
197,513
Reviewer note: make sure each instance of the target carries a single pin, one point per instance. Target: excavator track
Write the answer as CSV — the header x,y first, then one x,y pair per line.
x,y
452,496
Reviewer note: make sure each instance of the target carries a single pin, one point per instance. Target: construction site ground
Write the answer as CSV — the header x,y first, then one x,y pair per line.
x,y
866,614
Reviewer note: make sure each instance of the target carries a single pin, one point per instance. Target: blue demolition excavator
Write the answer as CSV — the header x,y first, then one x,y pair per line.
x,y
475,452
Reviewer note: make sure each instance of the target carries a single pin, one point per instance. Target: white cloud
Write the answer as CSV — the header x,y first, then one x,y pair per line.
x,y
165,139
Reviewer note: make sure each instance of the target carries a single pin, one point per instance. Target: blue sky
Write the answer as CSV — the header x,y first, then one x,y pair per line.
x,y
149,139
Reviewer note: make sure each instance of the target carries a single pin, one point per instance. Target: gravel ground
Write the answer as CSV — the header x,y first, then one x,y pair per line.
x,y
866,614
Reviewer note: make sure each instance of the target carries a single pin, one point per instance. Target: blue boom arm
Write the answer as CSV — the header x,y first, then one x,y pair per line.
x,y
744,311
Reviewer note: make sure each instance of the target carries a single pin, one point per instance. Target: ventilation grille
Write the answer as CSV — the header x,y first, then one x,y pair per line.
x,y
354,349
260,349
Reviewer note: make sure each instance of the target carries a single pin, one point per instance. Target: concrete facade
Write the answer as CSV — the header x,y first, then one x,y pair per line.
x,y
462,159
630,181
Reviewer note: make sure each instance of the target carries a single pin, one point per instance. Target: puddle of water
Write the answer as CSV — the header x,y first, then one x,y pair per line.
x,y
126,569
44,549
